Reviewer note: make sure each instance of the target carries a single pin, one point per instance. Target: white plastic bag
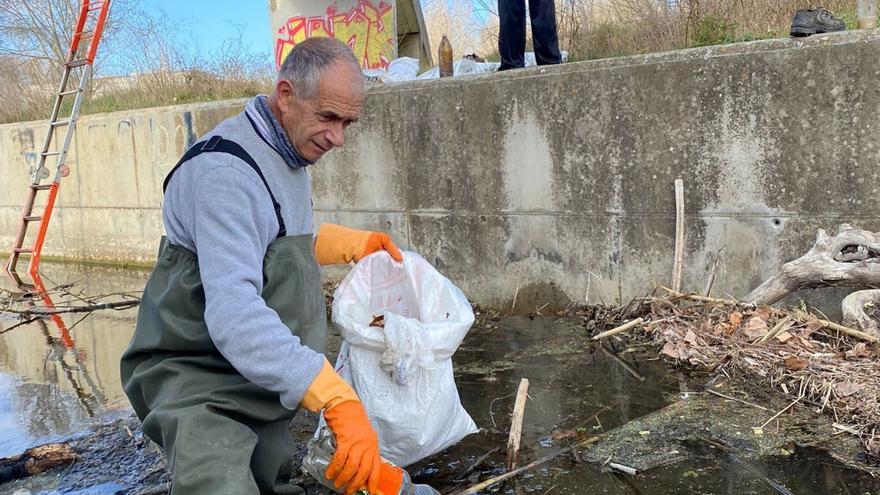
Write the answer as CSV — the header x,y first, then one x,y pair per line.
x,y
403,372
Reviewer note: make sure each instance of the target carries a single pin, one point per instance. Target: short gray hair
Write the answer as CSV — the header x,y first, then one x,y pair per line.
x,y
308,60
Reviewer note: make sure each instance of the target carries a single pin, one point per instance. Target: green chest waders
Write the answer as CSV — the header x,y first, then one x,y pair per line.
x,y
221,433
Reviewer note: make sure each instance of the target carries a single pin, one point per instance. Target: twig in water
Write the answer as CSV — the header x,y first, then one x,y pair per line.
x,y
476,464
491,414
519,409
497,479
73,309
622,363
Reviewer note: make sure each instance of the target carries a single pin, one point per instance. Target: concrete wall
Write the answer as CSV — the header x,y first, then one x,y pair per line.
x,y
554,181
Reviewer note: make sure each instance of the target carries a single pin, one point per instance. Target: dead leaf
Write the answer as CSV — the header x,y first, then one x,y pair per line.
x,y
735,319
763,312
814,325
860,350
754,328
691,337
847,388
795,363
670,350
378,321
783,336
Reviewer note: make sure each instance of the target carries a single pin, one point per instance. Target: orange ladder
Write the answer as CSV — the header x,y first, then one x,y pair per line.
x,y
83,46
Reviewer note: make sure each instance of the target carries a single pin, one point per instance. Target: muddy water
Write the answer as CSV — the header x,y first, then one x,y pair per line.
x,y
56,375
56,382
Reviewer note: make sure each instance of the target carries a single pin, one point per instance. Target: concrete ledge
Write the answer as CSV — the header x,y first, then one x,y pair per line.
x,y
554,180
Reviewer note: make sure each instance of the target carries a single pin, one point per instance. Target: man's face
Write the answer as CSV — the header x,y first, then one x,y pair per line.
x,y
317,125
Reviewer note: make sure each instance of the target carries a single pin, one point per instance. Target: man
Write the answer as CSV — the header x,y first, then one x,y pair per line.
x,y
232,323
512,35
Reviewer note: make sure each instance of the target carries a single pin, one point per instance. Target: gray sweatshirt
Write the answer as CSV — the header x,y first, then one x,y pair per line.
x,y
217,207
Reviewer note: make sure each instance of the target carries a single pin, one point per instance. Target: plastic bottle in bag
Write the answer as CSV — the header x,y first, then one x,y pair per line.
x,y
317,460
445,57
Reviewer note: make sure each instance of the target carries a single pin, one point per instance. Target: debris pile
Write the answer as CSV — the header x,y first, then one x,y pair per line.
x,y
813,361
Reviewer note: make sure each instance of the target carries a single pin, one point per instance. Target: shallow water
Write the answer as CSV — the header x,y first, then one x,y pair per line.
x,y
57,376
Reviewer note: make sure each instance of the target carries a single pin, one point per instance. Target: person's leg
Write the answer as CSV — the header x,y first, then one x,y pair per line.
x,y
207,451
512,34
544,37
272,463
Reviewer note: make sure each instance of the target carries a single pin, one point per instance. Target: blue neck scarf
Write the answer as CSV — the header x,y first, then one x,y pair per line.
x,y
271,131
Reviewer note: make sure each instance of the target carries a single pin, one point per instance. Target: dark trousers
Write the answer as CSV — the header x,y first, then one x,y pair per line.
x,y
512,38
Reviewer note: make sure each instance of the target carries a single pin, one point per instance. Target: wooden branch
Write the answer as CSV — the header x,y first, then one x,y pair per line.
x,y
35,461
786,408
699,298
851,258
622,363
620,329
88,308
806,317
519,408
855,314
719,394
623,469
679,235
710,283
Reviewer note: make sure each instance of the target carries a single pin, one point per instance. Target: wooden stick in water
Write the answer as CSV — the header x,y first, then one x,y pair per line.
x,y
519,408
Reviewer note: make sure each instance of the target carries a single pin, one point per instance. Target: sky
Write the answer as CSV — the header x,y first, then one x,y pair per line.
x,y
212,21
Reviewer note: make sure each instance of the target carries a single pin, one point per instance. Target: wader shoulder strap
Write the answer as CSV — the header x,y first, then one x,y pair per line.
x,y
219,145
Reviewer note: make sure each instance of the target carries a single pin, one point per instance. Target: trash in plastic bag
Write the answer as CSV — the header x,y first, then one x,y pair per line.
x,y
403,372
320,451
407,69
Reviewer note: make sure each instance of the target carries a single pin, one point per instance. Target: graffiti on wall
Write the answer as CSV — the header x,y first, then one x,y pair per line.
x,y
367,28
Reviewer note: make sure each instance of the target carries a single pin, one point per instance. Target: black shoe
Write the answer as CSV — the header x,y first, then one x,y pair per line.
x,y
814,21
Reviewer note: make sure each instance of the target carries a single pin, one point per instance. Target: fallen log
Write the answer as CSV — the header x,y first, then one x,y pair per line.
x,y
851,258
35,461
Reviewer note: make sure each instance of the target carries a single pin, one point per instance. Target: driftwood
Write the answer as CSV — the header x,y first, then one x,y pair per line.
x,y
859,310
851,259
35,461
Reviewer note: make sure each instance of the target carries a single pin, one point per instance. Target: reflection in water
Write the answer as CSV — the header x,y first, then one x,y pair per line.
x,y
57,373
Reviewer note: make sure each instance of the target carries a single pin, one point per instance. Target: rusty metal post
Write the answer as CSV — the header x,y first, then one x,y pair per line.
x,y
866,11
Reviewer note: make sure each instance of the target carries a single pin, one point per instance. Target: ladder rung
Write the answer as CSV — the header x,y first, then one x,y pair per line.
x,y
72,91
76,63
22,250
59,123
51,153
33,218
41,187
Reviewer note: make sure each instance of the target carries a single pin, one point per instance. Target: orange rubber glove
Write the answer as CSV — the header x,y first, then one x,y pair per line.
x,y
336,244
356,463
390,479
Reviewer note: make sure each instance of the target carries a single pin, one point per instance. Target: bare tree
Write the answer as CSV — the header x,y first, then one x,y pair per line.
x,y
457,20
